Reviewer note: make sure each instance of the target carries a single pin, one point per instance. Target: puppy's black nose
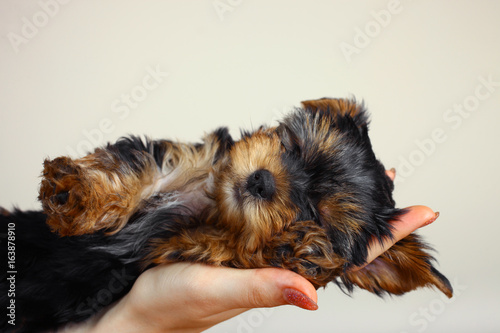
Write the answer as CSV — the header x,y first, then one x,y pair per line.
x,y
261,184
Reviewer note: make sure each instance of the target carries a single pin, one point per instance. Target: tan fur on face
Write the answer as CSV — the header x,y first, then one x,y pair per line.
x,y
258,220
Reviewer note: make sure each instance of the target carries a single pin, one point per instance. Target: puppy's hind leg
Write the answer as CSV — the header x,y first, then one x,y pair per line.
x,y
101,190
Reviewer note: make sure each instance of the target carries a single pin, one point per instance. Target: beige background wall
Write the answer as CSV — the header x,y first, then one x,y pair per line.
x,y
429,72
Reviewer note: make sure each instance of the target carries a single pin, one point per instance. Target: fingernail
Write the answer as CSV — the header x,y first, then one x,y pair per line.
x,y
393,170
295,297
432,219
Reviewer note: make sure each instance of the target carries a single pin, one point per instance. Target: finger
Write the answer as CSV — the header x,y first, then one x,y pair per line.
x,y
391,173
414,218
265,287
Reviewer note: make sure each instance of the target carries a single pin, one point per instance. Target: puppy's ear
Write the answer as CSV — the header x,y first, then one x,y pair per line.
x,y
339,108
402,268
289,138
223,140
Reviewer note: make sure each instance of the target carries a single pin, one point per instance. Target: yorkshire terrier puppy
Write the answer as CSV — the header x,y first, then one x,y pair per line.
x,y
307,195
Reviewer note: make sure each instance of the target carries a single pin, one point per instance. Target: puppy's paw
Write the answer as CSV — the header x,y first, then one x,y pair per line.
x,y
89,194
305,249
64,193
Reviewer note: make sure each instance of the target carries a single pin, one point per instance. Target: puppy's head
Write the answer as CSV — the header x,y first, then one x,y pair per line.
x,y
317,165
310,195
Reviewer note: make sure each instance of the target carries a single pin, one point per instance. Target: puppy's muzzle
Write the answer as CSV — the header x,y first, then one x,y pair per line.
x,y
261,184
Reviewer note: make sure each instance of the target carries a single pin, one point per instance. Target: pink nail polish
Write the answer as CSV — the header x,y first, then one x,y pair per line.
x,y
432,219
295,297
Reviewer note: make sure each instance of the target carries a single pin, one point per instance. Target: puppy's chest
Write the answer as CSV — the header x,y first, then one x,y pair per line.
x,y
185,182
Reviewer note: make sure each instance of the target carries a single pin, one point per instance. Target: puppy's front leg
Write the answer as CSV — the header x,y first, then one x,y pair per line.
x,y
203,245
